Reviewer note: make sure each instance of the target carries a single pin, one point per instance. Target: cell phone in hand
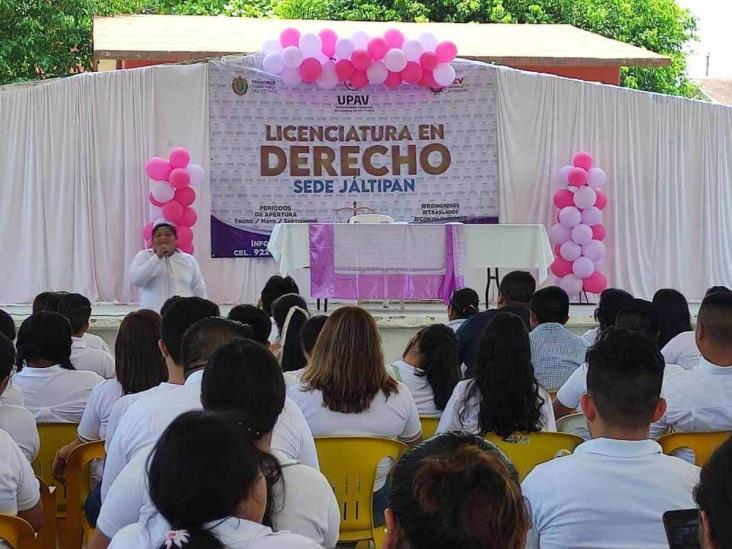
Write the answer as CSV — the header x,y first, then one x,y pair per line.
x,y
682,528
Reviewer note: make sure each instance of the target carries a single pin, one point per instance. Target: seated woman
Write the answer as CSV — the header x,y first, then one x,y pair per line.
x,y
463,304
53,390
206,478
676,339
276,286
429,368
611,300
455,490
290,314
504,396
308,338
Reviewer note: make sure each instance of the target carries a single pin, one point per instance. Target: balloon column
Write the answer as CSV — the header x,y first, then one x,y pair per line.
x,y
578,234
325,59
172,193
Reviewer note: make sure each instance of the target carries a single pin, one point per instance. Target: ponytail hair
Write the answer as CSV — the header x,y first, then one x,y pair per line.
x,y
438,348
464,302
291,313
45,335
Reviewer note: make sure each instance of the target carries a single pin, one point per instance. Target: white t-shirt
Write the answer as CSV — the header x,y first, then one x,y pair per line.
x,y
93,425
12,395
162,278
607,494
418,385
93,341
91,360
450,420
54,394
293,377
20,424
19,488
591,335
682,350
233,533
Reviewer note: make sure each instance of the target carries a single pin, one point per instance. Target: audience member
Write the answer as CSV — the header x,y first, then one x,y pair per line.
x,y
463,304
10,394
716,289
701,398
53,390
216,497
18,422
614,489
713,495
504,395
256,318
555,351
50,303
309,336
276,287
77,310
455,490
676,339
514,295
290,313
20,493
39,302
346,390
611,300
7,325
429,368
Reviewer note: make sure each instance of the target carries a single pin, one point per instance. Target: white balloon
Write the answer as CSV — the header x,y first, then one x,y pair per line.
x,y
428,41
360,39
344,48
197,173
291,76
412,49
322,58
377,73
273,63
162,191
271,46
596,178
155,212
291,56
444,74
395,60
328,78
310,44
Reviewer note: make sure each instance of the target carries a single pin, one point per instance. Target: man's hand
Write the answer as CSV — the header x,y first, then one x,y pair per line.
x,y
163,251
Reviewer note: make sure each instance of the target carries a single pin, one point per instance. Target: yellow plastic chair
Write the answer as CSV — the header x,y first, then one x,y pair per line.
x,y
349,464
47,537
527,450
702,444
78,486
18,533
429,426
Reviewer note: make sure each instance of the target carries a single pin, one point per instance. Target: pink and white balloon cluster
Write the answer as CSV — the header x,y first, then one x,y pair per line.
x,y
577,237
325,59
172,192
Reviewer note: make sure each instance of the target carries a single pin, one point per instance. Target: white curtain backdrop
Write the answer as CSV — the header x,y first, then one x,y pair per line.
x,y
73,193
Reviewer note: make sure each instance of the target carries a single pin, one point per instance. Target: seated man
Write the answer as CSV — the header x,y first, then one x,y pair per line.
x,y
555,351
514,294
614,489
637,315
701,398
255,317
77,310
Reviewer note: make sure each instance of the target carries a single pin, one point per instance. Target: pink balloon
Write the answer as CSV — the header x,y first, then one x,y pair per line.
x,y
187,248
185,196
598,232
185,236
180,178
155,202
189,217
570,216
561,267
570,250
289,37
595,283
328,37
428,60
577,177
584,197
148,244
377,47
582,234
563,175
563,198
557,250
173,211
361,60
179,157
583,267
394,38
359,79
344,70
158,168
559,234
412,73
446,51
595,250
310,70
582,160
571,284
147,231
428,81
393,81
591,216
601,201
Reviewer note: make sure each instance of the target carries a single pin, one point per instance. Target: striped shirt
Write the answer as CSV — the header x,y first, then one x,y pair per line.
x,y
555,354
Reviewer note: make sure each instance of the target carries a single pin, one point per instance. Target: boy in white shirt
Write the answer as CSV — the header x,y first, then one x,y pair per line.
x,y
77,310
18,422
614,489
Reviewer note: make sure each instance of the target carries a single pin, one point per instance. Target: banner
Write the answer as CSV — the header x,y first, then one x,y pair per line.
x,y
306,155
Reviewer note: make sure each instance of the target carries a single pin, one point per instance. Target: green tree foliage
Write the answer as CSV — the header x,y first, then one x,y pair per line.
x,y
46,38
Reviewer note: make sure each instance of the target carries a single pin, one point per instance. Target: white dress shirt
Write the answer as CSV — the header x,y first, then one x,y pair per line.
x,y
91,360
19,488
55,394
93,425
12,395
590,336
20,424
450,420
682,350
608,494
418,385
161,278
93,341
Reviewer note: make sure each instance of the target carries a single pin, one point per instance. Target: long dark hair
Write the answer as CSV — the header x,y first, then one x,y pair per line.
x,y
504,381
465,302
290,313
275,287
138,362
202,467
673,314
45,335
437,346
611,301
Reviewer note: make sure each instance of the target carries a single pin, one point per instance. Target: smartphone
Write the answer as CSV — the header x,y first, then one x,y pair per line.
x,y
682,528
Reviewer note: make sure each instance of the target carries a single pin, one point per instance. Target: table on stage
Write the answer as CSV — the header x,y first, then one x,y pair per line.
x,y
295,246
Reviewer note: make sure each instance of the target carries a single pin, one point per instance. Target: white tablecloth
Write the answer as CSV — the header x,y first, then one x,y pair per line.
x,y
516,246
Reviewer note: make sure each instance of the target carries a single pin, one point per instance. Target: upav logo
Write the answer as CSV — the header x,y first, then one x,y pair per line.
x,y
353,100
239,86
